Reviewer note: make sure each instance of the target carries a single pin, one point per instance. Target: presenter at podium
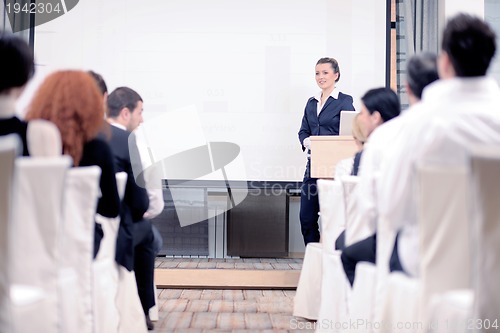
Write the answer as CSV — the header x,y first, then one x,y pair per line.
x,y
321,117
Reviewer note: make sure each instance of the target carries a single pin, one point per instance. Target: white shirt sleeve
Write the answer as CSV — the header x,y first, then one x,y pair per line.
x,y
156,203
155,190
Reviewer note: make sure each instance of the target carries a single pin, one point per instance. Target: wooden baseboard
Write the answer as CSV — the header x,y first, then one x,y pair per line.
x,y
226,278
296,255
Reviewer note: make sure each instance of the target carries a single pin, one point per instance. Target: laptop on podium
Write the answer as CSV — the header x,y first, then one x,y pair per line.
x,y
346,119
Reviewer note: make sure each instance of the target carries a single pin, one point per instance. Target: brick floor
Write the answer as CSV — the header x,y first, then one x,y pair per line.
x,y
237,311
203,311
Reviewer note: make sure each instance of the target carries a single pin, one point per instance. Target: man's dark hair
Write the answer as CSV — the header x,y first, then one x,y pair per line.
x,y
122,97
16,62
421,70
383,100
333,63
103,88
470,44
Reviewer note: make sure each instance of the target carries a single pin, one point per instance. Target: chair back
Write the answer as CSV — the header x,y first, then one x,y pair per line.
x,y
331,206
35,233
39,185
444,234
486,229
349,184
77,244
9,149
106,316
44,139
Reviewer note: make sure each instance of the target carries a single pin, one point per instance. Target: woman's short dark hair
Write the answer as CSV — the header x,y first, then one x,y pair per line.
x,y
333,63
16,62
384,101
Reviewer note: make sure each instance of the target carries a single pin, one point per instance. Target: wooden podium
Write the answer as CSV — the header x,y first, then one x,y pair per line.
x,y
327,150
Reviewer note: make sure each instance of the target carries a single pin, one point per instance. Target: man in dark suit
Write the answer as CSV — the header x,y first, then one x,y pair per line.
x,y
135,248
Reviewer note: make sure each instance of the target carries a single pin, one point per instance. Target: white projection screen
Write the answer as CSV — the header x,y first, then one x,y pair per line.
x,y
246,66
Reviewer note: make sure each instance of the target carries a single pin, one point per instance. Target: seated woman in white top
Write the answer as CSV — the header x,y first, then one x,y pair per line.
x,y
345,167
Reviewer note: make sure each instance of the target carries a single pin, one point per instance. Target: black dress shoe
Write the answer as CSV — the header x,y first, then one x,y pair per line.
x,y
149,324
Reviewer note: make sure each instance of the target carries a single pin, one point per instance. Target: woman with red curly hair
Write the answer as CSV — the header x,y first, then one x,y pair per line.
x,y
71,100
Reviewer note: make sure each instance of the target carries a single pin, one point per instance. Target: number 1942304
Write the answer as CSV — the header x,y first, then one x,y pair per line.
x,y
33,8
473,324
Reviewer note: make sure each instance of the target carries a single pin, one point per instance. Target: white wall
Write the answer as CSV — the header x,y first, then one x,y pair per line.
x,y
449,8
492,16
453,7
248,66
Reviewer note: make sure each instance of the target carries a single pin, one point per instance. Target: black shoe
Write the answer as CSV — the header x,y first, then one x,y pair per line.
x,y
149,323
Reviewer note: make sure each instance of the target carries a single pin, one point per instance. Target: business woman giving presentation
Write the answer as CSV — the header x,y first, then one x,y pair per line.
x,y
321,117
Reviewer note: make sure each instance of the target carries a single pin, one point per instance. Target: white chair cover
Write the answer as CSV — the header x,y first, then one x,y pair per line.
x,y
349,184
443,211
309,289
44,139
368,291
77,243
35,240
362,299
356,226
478,308
131,315
334,199
106,316
401,304
451,312
443,246
9,149
332,208
306,301
486,192
385,244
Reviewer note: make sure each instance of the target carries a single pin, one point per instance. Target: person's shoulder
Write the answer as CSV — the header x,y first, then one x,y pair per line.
x,y
311,104
312,99
15,122
96,152
389,131
98,145
117,130
20,121
346,97
119,134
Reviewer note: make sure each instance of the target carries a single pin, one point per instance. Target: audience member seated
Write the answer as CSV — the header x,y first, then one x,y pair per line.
x,y
421,71
350,166
378,106
16,69
460,109
103,88
71,100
